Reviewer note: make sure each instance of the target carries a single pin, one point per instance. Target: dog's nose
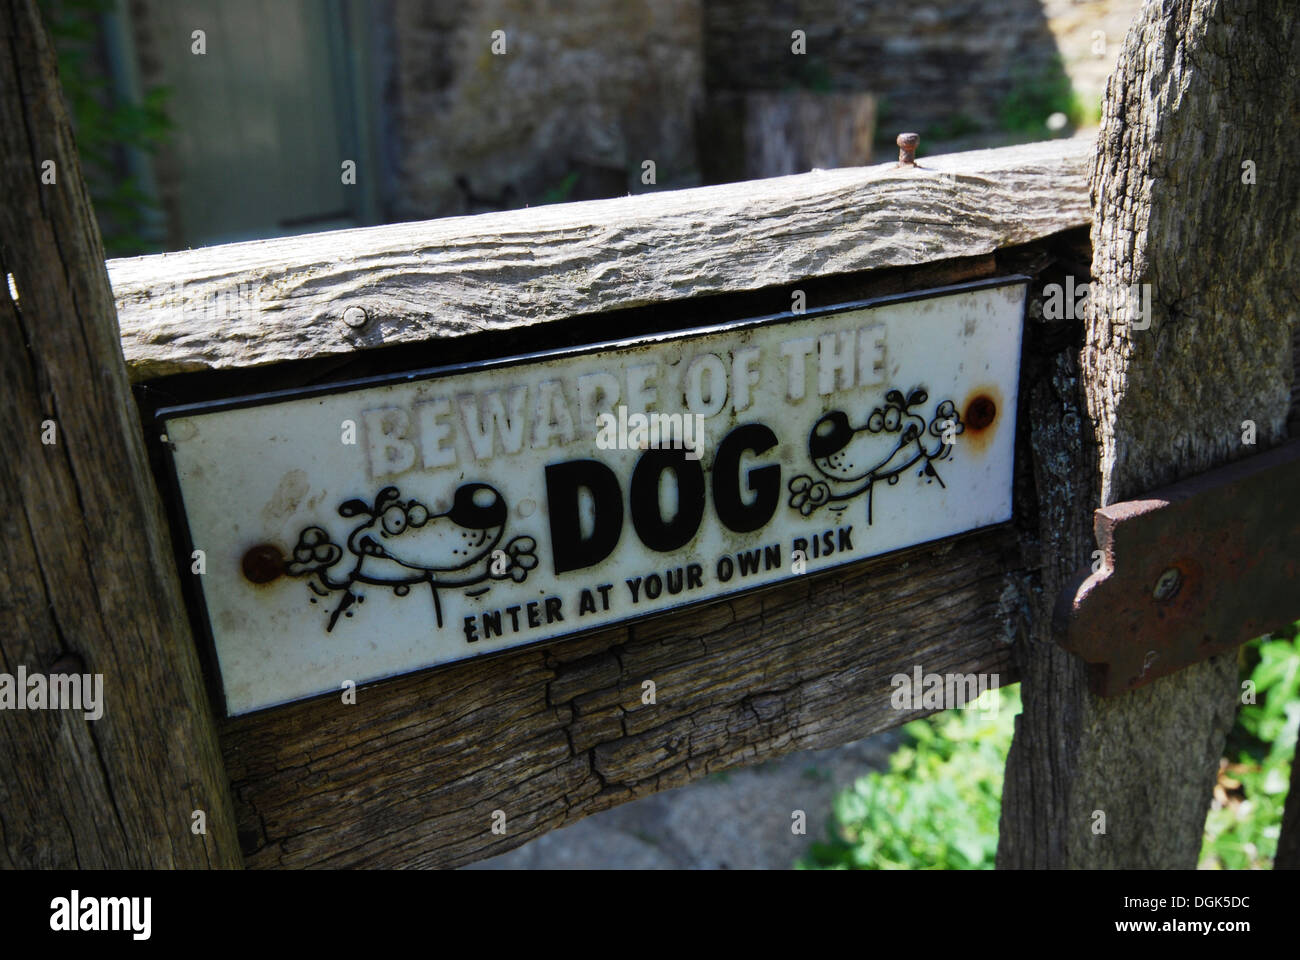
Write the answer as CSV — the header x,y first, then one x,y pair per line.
x,y
830,435
477,506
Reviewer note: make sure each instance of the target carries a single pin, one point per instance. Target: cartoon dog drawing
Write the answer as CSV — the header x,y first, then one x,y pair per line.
x,y
853,459
401,543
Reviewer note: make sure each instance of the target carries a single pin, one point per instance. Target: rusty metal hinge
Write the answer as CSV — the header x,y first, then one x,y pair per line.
x,y
1187,572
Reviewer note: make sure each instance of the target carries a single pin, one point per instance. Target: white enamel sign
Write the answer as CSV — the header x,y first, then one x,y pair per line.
x,y
386,526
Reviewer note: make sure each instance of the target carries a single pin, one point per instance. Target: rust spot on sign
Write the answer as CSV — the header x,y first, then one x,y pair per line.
x,y
981,411
262,563
979,416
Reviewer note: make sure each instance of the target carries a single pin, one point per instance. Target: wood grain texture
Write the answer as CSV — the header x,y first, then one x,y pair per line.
x,y
411,774
241,305
1288,843
87,582
1201,86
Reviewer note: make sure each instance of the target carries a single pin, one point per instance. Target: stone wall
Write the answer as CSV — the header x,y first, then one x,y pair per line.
x,y
590,89
940,68
586,91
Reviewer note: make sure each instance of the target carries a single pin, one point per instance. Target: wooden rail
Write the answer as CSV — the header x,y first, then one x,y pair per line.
x,y
267,301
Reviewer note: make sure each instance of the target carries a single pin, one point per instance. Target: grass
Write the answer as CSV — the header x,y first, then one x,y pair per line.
x,y
939,803
1245,816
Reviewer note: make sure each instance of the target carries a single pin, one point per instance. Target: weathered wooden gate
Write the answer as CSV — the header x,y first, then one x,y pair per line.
x,y
418,769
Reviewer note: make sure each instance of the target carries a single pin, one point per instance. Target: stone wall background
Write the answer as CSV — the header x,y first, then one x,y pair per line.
x,y
928,62
586,90
591,88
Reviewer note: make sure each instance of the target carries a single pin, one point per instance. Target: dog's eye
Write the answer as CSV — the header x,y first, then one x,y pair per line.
x,y
477,506
891,419
830,434
876,422
394,521
417,515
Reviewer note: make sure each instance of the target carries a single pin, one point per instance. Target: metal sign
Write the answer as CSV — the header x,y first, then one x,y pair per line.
x,y
377,527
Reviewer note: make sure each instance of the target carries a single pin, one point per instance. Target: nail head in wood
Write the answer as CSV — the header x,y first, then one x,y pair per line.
x,y
907,143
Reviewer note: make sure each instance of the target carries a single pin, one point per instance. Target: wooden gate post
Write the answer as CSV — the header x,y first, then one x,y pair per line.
x,y
87,584
1195,193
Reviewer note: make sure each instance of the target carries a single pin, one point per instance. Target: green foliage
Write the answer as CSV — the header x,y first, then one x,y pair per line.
x,y
936,807
939,803
814,74
1036,96
951,127
1090,113
1241,831
560,192
885,117
105,126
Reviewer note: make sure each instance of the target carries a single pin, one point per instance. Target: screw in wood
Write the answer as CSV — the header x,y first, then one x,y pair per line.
x,y
907,143
1168,584
355,317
